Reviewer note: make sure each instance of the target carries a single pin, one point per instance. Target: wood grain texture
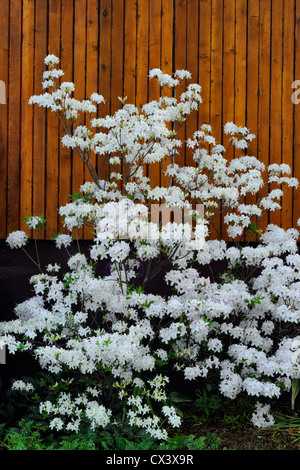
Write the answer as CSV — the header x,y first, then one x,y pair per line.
x,y
53,144
79,63
130,37
14,114
276,93
192,51
105,41
39,114
167,43
296,172
4,50
155,16
252,88
26,112
263,151
245,54
216,85
66,155
180,58
229,68
287,105
92,75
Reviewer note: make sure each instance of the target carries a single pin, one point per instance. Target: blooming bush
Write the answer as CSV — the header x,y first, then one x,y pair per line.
x,y
153,314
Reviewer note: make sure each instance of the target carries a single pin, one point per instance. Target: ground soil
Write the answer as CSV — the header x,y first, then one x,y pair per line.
x,y
250,439
246,437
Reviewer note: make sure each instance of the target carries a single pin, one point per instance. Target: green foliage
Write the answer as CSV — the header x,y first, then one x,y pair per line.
x,y
25,428
295,391
191,442
41,222
31,431
29,436
208,404
255,300
26,437
253,229
118,442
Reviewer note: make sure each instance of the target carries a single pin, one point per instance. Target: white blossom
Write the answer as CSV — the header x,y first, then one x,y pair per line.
x,y
112,325
17,239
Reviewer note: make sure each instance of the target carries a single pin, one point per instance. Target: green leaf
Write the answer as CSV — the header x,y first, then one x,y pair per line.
x,y
178,397
295,391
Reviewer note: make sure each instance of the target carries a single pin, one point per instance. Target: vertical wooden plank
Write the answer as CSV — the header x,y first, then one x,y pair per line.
x,y
228,64
296,195
167,14
264,94
78,170
92,47
180,18
287,106
26,111
205,33
216,87
105,54
39,114
154,62
53,145
167,39
142,63
204,60
142,66
240,63
130,50
228,114
117,46
240,104
4,28
180,38
91,72
252,86
192,52
14,109
276,94
155,28
216,68
66,155
105,72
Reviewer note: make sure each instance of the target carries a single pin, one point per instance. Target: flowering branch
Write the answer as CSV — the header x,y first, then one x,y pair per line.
x,y
115,329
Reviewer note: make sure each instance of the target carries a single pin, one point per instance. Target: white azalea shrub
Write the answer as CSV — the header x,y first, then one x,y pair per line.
x,y
154,313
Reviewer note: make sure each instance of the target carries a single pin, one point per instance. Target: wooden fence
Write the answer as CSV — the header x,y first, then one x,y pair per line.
x,y
244,53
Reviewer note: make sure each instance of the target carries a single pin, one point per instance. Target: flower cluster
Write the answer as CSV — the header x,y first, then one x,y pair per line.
x,y
22,386
17,239
67,413
116,328
35,222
